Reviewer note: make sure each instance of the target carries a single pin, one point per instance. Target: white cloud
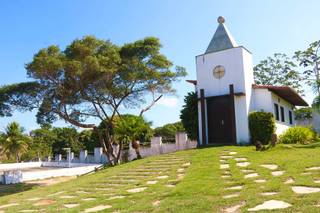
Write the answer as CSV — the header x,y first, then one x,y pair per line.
x,y
168,102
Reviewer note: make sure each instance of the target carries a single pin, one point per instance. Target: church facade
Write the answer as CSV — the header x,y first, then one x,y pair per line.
x,y
227,93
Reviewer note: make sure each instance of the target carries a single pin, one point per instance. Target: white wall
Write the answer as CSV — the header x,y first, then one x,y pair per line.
x,y
264,100
239,72
8,166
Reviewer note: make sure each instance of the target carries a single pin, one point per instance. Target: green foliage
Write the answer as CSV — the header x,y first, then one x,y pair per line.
x,y
189,115
168,131
41,145
14,142
297,135
262,126
89,140
310,60
316,103
278,70
303,113
128,128
66,137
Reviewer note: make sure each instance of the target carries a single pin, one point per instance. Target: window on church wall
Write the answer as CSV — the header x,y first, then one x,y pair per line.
x,y
290,117
282,114
276,111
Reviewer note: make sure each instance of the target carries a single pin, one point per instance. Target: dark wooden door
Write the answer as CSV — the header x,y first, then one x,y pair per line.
x,y
219,120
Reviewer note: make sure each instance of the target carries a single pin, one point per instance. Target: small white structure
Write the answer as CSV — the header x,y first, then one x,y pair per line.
x,y
227,93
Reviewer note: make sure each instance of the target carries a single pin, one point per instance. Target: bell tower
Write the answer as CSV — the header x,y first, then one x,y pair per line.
x,y
224,85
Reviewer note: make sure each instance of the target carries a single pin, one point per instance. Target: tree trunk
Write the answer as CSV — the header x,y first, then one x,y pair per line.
x,y
103,145
136,146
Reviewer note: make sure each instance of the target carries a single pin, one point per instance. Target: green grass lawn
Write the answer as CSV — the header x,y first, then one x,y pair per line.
x,y
195,188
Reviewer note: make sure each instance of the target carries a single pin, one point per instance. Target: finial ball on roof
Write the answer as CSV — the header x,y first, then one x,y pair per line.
x,y
221,20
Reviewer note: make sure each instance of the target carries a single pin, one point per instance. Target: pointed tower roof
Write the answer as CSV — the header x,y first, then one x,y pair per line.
x,y
222,38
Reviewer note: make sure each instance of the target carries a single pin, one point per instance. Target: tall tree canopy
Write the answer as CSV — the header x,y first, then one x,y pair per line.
x,y
92,78
310,60
278,70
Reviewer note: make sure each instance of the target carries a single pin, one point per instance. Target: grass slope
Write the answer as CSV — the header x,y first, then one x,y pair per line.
x,y
200,190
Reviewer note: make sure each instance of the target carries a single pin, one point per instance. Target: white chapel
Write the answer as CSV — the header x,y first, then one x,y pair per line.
x,y
227,93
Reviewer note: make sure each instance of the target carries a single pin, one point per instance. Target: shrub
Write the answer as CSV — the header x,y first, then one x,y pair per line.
x,y
262,126
298,135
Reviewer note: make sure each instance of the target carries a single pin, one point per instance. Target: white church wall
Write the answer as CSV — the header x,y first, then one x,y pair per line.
x,y
234,72
242,126
282,126
264,100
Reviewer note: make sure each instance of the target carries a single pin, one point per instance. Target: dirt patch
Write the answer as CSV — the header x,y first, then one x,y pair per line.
x,y
51,181
45,202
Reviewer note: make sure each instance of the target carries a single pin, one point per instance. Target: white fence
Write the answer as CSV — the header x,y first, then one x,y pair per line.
x,y
71,166
314,122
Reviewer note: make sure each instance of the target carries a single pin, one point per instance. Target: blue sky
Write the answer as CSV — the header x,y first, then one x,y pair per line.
x,y
184,27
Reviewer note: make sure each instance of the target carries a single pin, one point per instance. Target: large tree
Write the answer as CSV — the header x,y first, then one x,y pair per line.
x,y
92,78
310,60
278,70
14,142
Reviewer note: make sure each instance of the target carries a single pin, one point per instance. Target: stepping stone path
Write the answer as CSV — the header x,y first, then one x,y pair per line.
x,y
45,202
235,188
313,168
152,182
129,180
67,197
270,205
289,181
233,209
277,173
243,164
226,157
305,189
136,190
116,197
232,153
269,193
251,175
247,170
260,181
9,205
98,208
224,166
156,203
71,205
270,166
240,159
316,181
163,177
231,195
88,199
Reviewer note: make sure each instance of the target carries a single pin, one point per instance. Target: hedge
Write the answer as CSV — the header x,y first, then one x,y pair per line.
x,y
262,126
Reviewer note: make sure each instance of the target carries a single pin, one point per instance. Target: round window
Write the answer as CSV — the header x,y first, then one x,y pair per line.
x,y
219,71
